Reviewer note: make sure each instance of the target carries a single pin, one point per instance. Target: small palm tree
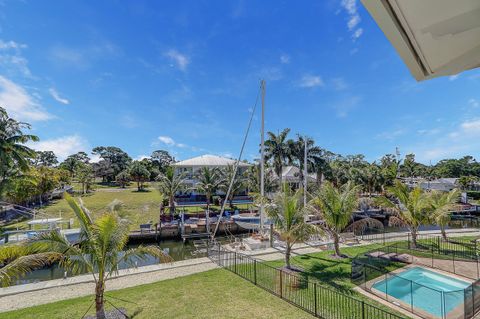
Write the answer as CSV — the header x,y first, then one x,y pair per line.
x,y
288,215
441,205
209,181
169,184
297,153
100,251
237,185
411,207
277,148
335,207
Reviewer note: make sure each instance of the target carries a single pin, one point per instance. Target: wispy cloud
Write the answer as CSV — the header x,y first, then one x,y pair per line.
x,y
285,59
180,60
20,103
343,106
454,77
11,59
167,140
391,134
56,96
311,81
353,21
473,103
83,57
339,84
62,146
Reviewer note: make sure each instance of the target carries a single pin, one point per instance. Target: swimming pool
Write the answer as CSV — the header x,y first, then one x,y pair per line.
x,y
424,289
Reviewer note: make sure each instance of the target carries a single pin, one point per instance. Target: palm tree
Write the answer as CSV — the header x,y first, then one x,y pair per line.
x,y
169,184
288,215
441,204
297,153
14,155
335,207
411,207
277,149
237,185
209,181
253,180
100,251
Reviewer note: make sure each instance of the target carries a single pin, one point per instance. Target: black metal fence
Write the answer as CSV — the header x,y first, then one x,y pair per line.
x,y
373,272
297,289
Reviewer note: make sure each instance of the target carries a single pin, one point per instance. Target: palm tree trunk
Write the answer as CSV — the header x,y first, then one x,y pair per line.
x,y
171,202
444,233
336,245
414,237
287,256
99,302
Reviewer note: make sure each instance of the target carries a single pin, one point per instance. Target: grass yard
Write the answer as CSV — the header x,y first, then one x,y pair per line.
x,y
213,294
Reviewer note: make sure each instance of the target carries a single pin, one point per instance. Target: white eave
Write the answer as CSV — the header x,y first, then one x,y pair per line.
x,y
433,37
209,161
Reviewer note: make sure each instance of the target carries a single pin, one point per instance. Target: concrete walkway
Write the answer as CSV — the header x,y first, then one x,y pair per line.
x,y
23,296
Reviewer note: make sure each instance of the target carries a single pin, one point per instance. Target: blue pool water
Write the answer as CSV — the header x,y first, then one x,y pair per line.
x,y
432,292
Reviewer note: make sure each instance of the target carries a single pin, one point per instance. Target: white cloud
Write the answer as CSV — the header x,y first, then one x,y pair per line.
x,y
6,45
346,104
166,140
62,146
339,84
391,135
310,81
350,6
285,59
141,157
11,59
19,103
454,77
181,60
57,96
473,103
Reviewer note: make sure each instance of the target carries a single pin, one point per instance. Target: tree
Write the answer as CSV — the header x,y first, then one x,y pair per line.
x,y
169,184
277,149
100,251
442,203
467,182
209,180
72,162
253,180
162,160
14,155
288,215
335,207
22,189
47,180
123,178
237,185
411,207
118,159
297,154
151,167
85,176
45,158
139,174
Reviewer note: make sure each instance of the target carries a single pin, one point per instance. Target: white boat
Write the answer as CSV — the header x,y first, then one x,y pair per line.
x,y
249,221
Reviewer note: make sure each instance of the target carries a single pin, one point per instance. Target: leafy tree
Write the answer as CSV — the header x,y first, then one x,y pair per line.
x,y
84,173
47,180
442,203
209,181
118,159
103,169
297,154
277,149
411,207
14,155
99,252
467,182
123,178
72,162
238,182
335,207
139,174
22,189
288,215
151,167
162,160
253,180
169,184
45,158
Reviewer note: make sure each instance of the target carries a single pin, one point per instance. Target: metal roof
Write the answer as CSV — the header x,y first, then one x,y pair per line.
x,y
433,37
209,160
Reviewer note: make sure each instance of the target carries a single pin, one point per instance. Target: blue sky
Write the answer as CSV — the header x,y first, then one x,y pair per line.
x,y
183,76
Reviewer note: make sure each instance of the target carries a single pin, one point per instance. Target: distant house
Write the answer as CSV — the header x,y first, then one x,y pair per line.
x,y
191,168
291,175
441,184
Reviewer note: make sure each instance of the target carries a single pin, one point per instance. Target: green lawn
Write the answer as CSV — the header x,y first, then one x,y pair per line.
x,y
213,294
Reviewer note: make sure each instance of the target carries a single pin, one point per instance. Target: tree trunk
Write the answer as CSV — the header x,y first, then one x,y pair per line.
x,y
99,302
336,245
444,233
414,238
172,207
287,256
138,185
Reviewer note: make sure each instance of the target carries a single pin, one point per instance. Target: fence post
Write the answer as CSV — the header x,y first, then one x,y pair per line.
x,y
453,259
235,263
432,256
281,285
255,271
363,309
315,296
408,239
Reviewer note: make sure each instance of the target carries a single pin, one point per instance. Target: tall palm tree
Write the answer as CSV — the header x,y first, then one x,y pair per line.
x,y
297,154
288,215
14,155
441,204
100,251
209,181
277,149
169,184
411,207
335,207
238,184
253,180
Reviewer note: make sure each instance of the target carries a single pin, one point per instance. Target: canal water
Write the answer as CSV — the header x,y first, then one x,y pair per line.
x,y
176,249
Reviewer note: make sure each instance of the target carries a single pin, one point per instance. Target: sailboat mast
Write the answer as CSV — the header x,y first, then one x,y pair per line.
x,y
305,171
262,159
